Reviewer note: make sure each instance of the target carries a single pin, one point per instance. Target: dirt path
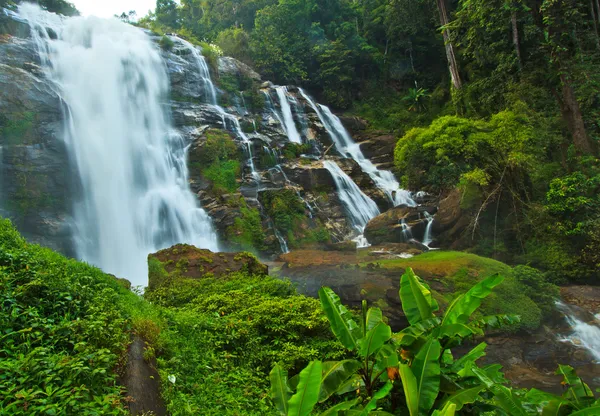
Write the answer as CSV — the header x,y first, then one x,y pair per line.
x,y
142,382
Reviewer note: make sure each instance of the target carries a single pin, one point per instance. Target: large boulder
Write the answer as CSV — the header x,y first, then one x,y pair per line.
x,y
232,66
398,225
451,221
184,261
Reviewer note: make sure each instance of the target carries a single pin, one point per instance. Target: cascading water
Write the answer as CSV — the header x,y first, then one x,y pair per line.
x,y
360,208
135,197
208,88
288,117
406,231
583,334
428,238
384,179
212,100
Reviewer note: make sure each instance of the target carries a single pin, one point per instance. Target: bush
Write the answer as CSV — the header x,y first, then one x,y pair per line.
x,y
166,43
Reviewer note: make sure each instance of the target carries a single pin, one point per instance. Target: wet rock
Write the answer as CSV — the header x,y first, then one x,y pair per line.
x,y
184,261
451,221
388,227
232,66
35,176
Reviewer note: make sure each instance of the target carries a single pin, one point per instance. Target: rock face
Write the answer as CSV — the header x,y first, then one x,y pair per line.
x,y
451,221
281,195
35,173
184,261
399,225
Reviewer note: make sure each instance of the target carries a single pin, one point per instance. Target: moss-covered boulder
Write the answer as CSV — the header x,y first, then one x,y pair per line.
x,y
184,261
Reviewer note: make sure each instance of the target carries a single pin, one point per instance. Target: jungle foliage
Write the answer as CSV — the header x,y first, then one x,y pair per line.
x,y
414,372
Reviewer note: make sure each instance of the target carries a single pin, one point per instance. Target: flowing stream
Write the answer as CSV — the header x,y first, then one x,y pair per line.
x,y
384,179
288,117
360,208
131,163
584,333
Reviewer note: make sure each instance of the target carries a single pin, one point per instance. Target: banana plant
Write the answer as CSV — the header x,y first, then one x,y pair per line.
x,y
363,374
433,382
578,399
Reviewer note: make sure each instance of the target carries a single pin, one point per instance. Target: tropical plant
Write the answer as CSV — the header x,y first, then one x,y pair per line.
x,y
419,356
416,99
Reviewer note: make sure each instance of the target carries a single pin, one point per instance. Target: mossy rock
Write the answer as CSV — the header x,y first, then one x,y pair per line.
x,y
184,261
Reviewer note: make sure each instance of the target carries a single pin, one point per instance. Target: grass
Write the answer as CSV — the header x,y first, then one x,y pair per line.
x,y
65,327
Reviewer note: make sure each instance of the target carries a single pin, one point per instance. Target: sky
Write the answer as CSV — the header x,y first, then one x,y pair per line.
x,y
108,8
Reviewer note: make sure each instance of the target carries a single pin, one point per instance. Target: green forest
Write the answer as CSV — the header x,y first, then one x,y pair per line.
x,y
496,101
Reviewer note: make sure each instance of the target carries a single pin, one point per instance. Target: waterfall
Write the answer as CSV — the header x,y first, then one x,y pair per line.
x,y
208,88
427,238
288,118
131,163
212,100
406,230
360,208
384,179
583,334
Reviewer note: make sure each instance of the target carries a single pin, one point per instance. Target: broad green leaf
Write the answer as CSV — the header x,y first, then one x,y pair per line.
x,y
540,398
470,357
415,295
380,394
590,411
448,410
409,384
578,390
503,396
466,396
555,407
452,330
374,316
343,326
335,374
280,392
374,339
307,395
461,309
333,411
353,383
426,368
386,357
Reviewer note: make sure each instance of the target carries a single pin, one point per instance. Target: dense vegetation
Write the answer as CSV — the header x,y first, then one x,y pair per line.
x,y
65,328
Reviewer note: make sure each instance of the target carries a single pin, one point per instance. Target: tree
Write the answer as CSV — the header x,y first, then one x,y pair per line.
x,y
450,54
167,14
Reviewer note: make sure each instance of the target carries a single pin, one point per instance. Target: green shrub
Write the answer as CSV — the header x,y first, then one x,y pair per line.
x,y
166,43
247,232
224,174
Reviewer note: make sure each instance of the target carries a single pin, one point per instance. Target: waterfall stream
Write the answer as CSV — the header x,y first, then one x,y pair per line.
x,y
288,117
384,179
131,163
360,208
584,334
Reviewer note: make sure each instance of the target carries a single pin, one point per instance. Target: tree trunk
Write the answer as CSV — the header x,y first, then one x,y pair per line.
x,y
452,64
516,42
572,115
598,10
595,24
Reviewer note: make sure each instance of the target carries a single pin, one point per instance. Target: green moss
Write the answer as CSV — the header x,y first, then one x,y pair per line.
x,y
459,271
18,128
247,232
166,43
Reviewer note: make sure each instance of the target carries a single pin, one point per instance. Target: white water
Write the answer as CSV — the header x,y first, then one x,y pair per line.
x,y
135,195
428,238
360,208
583,334
209,90
384,179
288,118
406,230
211,94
